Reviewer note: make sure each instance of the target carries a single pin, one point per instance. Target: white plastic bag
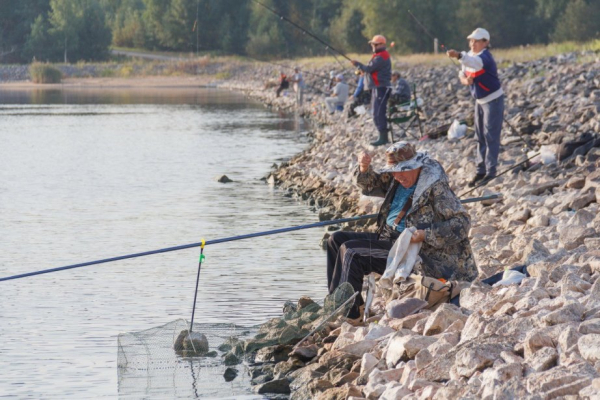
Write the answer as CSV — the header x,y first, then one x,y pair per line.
x,y
548,154
457,130
509,277
360,110
401,259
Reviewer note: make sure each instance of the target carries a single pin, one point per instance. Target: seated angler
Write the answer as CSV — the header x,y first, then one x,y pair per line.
x,y
339,95
400,90
416,194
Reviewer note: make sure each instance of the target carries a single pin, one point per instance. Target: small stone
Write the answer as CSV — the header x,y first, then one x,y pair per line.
x,y
304,302
404,307
576,182
230,374
568,313
590,326
589,347
224,179
538,221
442,318
231,359
543,359
279,386
193,344
406,347
305,353
534,252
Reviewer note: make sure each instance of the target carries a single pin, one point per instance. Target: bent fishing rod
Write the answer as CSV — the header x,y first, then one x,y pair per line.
x,y
305,31
222,240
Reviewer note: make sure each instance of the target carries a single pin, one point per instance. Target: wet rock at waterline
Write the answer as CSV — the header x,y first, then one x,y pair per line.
x,y
223,179
193,344
230,374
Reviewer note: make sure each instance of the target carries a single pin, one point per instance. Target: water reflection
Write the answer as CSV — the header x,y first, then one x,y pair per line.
x,y
130,95
94,174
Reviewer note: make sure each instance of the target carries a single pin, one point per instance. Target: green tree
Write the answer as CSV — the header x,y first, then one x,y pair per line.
x,y
16,19
510,22
40,44
94,35
346,30
391,19
580,21
65,24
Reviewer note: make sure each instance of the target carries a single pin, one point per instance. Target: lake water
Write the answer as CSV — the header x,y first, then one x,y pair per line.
x,y
89,174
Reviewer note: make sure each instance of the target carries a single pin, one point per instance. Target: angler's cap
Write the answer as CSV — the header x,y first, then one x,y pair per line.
x,y
402,156
377,39
479,34
340,77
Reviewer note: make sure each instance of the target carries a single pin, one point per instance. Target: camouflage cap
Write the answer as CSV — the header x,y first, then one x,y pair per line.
x,y
402,156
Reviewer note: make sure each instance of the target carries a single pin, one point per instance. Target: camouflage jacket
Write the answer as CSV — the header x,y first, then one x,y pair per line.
x,y
446,251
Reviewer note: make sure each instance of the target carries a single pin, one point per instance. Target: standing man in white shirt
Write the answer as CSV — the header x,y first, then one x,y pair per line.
x,y
479,71
299,85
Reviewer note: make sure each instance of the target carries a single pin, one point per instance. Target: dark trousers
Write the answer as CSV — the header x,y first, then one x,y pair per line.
x,y
379,102
351,256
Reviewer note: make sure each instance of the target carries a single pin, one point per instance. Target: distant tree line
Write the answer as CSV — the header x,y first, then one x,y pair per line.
x,y
73,30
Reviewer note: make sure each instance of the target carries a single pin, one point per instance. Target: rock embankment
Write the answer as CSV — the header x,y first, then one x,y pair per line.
x,y
539,339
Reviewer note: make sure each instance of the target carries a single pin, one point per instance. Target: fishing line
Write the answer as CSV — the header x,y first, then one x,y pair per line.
x,y
222,240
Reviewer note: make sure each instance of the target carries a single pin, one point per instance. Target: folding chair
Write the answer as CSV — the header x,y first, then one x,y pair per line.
x,y
406,112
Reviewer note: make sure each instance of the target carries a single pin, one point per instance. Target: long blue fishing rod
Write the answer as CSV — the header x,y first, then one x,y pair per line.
x,y
217,241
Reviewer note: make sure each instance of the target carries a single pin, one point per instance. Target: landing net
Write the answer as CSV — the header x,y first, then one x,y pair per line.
x,y
162,362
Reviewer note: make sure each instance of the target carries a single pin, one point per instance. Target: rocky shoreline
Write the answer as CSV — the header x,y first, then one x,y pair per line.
x,y
539,339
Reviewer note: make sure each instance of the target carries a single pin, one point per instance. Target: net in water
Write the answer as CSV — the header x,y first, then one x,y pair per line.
x,y
163,361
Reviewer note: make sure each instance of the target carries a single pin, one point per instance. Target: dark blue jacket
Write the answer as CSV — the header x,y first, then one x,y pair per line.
x,y
485,81
379,70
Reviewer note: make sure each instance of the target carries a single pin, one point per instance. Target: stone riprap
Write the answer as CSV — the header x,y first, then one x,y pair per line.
x,y
538,339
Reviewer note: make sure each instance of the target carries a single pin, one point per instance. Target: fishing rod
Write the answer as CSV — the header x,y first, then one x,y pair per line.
x,y
305,31
222,240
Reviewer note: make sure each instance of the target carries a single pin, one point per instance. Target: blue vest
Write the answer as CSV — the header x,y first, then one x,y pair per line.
x,y
485,81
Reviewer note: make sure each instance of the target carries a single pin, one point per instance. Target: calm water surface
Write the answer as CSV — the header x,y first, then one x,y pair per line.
x,y
91,174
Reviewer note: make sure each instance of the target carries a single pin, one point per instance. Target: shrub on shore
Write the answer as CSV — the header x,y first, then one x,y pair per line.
x,y
44,73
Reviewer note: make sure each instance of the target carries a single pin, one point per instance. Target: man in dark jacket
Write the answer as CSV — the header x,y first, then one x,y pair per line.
x,y
416,194
378,74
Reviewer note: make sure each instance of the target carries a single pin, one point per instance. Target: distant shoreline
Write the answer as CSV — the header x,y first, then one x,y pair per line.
x,y
180,82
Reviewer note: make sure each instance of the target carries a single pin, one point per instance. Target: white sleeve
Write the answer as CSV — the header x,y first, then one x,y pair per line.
x,y
474,62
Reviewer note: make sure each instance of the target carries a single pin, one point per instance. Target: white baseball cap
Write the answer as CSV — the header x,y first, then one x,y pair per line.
x,y
479,34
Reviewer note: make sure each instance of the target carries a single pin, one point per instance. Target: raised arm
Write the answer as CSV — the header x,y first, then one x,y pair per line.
x,y
370,182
